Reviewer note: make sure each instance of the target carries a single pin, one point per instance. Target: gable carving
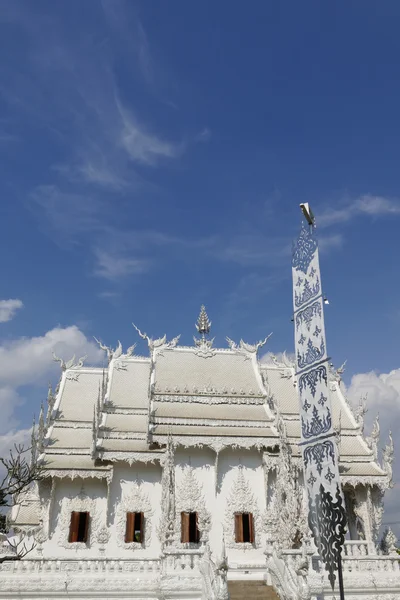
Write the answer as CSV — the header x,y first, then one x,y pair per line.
x,y
79,503
134,499
189,498
241,500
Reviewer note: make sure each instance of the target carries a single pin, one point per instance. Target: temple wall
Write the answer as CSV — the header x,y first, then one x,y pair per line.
x,y
214,489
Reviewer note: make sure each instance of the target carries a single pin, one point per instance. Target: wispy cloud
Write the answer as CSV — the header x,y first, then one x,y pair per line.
x,y
8,308
142,146
203,136
330,242
115,266
377,206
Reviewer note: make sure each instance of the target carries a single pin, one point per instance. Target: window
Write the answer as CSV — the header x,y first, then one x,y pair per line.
x,y
134,531
79,527
244,528
189,530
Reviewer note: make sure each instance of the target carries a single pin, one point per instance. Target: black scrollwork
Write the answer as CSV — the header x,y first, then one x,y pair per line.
x,y
327,521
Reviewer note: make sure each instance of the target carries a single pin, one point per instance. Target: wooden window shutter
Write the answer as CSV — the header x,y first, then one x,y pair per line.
x,y
197,529
73,527
86,516
238,528
251,528
141,527
185,527
130,524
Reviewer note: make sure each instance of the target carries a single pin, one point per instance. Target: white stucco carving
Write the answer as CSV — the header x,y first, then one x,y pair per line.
x,y
80,503
134,499
241,500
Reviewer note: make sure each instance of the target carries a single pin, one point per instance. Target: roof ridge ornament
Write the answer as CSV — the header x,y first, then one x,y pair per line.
x,y
110,352
158,343
245,348
203,324
70,364
203,345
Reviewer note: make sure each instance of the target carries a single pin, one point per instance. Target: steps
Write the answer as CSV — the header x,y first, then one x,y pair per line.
x,y
251,590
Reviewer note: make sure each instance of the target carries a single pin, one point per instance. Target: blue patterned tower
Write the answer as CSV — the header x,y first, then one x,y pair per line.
x,y
327,517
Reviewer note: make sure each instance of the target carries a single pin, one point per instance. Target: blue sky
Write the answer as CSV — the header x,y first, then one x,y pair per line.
x,y
153,156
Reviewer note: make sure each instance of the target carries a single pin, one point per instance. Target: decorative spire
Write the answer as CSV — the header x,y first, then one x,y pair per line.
x,y
203,324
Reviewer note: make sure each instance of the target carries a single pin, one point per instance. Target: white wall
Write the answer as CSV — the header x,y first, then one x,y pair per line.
x,y
215,488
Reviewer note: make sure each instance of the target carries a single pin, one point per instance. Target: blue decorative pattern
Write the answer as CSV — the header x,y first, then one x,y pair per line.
x,y
311,378
307,315
322,400
312,355
309,292
317,425
318,454
304,249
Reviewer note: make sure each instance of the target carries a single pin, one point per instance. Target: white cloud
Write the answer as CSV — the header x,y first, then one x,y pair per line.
x,y
383,397
12,437
8,308
28,361
367,204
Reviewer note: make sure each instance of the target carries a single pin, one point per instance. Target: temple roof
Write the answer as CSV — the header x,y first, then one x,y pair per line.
x,y
199,395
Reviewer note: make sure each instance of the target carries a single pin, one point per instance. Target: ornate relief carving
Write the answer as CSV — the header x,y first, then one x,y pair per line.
x,y
241,500
376,495
373,440
190,499
135,499
219,443
285,519
252,398
387,459
80,503
204,347
290,579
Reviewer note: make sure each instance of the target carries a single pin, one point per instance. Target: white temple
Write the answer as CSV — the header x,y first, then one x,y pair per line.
x,y
178,475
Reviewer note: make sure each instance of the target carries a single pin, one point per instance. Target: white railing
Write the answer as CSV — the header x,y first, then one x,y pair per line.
x,y
181,560
81,566
359,548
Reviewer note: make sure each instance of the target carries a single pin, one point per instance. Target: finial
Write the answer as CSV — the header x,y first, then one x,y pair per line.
x,y
203,324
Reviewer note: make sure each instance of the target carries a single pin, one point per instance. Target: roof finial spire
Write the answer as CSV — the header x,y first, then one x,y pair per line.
x,y
203,324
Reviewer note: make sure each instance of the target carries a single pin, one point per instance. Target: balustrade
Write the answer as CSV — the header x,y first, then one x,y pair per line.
x,y
82,566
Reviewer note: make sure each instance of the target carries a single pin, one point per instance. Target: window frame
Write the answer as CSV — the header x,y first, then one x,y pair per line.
x,y
187,528
239,528
130,528
75,526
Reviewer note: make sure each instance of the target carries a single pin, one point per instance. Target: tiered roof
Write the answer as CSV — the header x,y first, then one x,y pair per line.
x,y
199,395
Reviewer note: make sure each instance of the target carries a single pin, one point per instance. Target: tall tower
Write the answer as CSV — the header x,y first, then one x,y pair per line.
x,y
327,517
